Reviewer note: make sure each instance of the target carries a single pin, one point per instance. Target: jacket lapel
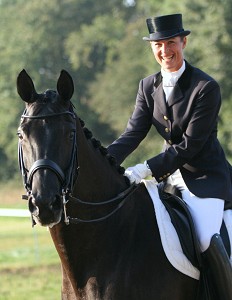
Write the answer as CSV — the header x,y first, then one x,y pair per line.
x,y
181,85
160,104
175,96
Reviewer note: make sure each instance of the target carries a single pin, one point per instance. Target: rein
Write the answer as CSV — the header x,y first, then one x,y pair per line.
x,y
122,196
65,180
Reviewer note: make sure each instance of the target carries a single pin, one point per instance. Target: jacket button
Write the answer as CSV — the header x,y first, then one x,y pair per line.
x,y
170,142
166,129
161,178
165,118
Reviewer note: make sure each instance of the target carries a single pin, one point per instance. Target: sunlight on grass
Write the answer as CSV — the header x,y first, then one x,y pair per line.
x,y
36,283
22,245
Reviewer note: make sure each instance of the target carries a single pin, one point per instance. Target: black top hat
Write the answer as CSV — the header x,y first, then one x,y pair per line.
x,y
165,27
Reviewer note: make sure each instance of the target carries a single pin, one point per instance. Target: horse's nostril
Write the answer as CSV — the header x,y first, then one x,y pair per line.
x,y
32,206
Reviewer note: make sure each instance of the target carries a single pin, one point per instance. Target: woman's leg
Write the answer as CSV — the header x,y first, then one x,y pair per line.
x,y
207,214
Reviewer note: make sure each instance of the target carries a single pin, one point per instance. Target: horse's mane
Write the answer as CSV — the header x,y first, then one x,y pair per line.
x,y
97,145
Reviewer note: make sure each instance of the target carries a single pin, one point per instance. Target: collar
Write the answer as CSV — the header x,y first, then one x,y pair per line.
x,y
170,78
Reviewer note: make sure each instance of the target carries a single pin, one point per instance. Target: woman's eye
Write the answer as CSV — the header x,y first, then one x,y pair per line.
x,y
171,43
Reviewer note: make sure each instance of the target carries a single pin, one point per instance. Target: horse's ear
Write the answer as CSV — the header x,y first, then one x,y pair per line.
x,y
25,87
65,86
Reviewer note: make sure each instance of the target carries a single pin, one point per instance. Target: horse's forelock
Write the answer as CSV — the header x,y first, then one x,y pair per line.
x,y
48,102
50,96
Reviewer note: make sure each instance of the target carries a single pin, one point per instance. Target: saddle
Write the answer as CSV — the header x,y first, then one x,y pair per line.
x,y
183,224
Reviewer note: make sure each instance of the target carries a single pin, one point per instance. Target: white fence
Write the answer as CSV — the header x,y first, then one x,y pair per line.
x,y
10,212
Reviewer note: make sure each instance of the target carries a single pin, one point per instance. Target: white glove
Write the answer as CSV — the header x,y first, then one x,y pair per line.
x,y
138,172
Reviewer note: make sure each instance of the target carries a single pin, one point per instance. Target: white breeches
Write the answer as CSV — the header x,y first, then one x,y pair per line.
x,y
207,213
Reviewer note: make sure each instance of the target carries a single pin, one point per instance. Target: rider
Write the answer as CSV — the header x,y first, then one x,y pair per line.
x,y
183,103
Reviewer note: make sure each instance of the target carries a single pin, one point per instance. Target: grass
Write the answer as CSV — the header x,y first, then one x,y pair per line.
x,y
29,263
39,283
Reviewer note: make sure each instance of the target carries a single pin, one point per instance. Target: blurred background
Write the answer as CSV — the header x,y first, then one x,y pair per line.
x,y
100,44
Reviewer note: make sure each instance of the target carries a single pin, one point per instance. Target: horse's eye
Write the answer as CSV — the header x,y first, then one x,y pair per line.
x,y
19,134
72,134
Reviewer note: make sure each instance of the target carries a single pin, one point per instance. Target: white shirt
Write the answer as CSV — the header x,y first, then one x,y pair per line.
x,y
170,79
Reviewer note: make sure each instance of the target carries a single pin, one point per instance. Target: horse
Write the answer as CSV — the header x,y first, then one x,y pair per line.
x,y
104,228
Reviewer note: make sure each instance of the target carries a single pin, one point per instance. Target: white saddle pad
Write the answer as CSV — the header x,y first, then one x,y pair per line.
x,y
170,240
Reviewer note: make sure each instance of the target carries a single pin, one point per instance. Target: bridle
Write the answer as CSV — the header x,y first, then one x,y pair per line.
x,y
66,179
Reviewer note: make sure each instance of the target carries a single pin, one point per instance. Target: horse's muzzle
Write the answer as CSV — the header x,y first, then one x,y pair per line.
x,y
46,211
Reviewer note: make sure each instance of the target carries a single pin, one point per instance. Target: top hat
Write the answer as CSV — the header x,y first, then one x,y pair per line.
x,y
165,27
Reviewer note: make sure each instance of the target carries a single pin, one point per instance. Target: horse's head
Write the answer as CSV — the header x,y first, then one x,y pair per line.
x,y
47,146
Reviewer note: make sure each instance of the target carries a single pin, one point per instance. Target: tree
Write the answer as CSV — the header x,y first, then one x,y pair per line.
x,y
33,37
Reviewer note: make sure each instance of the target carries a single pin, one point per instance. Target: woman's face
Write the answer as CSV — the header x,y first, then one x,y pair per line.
x,y
169,53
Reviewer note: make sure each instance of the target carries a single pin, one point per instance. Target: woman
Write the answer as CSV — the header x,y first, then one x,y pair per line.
x,y
183,103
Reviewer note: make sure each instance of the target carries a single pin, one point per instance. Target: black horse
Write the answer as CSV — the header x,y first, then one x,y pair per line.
x,y
103,228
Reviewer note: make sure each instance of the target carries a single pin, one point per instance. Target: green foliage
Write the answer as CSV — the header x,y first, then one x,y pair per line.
x,y
225,132
100,44
114,90
120,80
33,37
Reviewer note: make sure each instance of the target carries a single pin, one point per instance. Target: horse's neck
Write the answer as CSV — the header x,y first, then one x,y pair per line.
x,y
97,179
